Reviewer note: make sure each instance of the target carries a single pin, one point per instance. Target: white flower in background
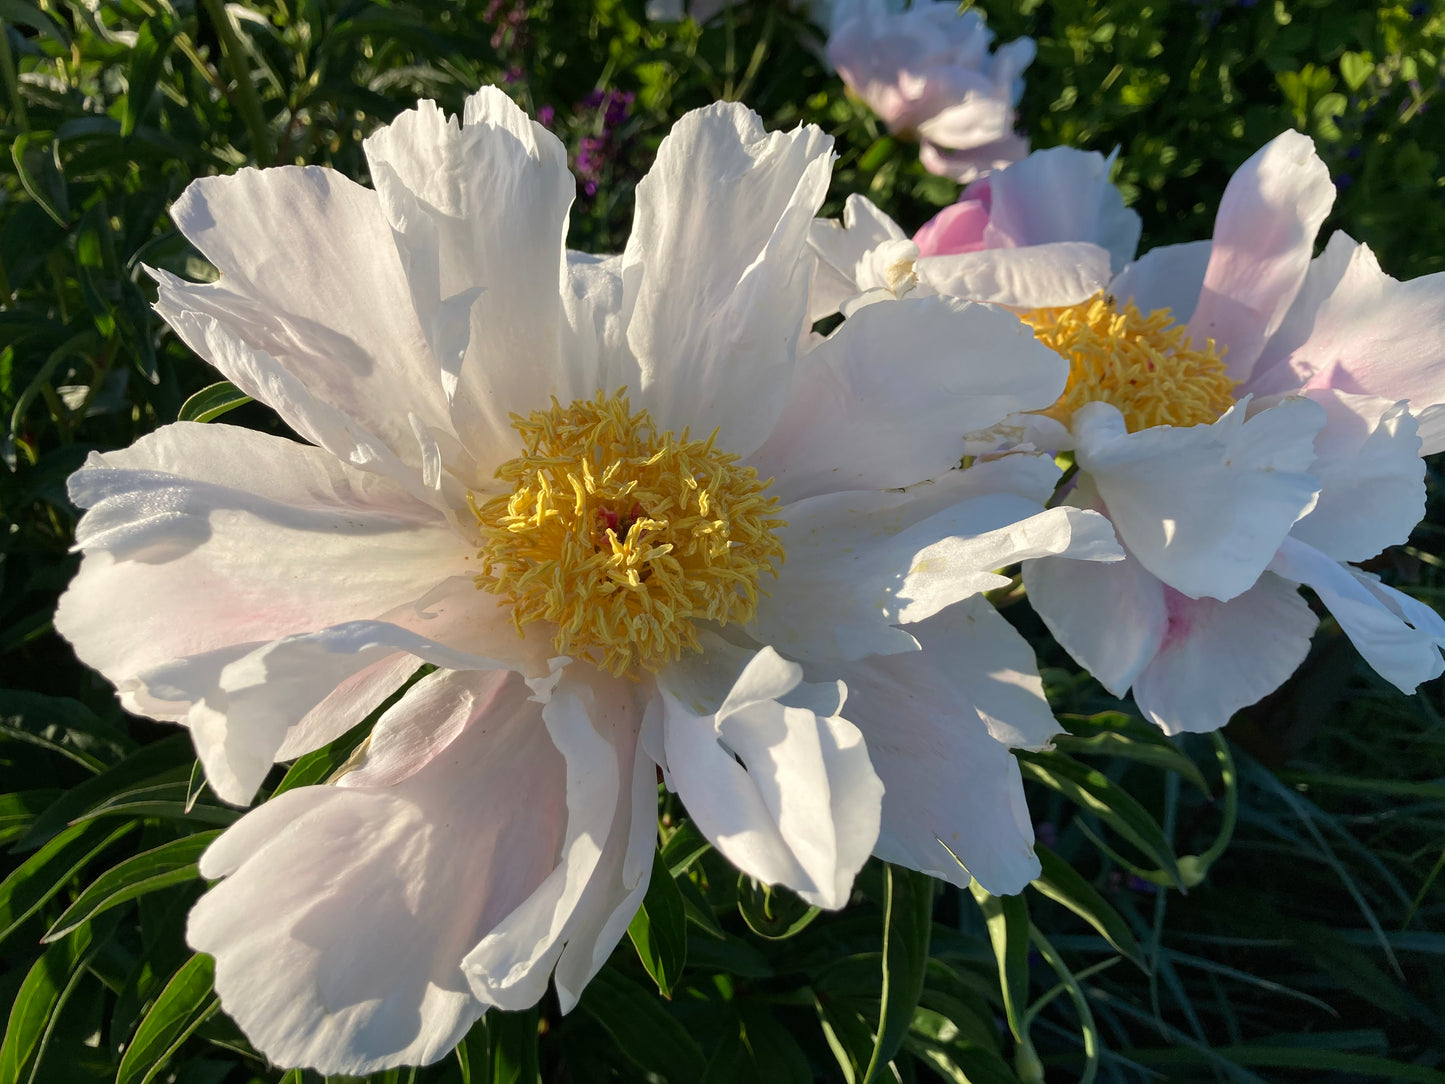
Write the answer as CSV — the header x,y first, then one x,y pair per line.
x,y
927,71
597,575
1248,421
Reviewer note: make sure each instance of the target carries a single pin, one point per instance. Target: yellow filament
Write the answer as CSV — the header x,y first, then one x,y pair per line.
x,y
621,537
1143,365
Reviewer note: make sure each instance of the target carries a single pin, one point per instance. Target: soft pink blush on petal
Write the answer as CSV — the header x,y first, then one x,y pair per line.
x,y
958,228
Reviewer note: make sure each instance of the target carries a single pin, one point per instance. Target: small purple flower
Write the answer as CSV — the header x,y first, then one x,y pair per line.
x,y
546,115
1343,181
1135,883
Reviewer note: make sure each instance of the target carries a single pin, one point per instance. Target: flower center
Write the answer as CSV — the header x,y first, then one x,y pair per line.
x,y
1140,364
622,537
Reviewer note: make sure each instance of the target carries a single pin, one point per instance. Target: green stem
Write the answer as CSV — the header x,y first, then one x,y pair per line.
x,y
246,98
12,81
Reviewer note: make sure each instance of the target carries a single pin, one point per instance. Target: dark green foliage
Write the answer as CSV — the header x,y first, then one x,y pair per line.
x,y
1274,916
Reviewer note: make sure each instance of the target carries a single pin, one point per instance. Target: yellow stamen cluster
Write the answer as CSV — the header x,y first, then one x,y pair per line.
x,y
622,537
1143,365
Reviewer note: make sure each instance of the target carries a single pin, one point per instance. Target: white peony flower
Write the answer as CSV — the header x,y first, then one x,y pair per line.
x,y
926,70
596,574
1243,417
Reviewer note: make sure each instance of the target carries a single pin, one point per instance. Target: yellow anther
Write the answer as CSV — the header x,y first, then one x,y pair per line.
x,y
621,537
1143,365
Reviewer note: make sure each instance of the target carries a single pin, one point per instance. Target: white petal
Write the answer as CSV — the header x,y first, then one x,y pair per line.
x,y
1400,639
479,212
576,917
1218,657
1061,194
840,248
1372,480
787,795
1264,237
852,422
723,287
1040,276
1110,617
1168,277
309,276
1203,508
345,912
351,702
951,786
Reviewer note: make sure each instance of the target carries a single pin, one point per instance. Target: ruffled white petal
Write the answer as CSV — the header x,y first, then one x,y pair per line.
x,y
1372,480
1217,657
346,911
1396,635
1264,237
479,211
852,423
1040,276
1203,508
786,793
840,247
723,288
938,724
1168,277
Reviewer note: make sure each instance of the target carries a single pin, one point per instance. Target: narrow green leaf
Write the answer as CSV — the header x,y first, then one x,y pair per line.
x,y
659,929
49,869
147,56
847,1035
642,1028
512,1046
187,1002
773,1046
1116,807
1063,884
19,810
934,1038
41,996
1008,930
1156,750
907,926
46,200
210,403
161,867
773,912
18,11
684,847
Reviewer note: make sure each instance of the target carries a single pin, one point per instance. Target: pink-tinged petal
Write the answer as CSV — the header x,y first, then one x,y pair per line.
x,y
1037,277
851,423
1372,480
1264,237
1399,637
1110,617
722,285
1218,657
1060,194
479,212
862,563
973,163
346,911
1203,508
576,917
786,793
351,702
1168,277
840,247
957,228
938,724
311,278
1356,329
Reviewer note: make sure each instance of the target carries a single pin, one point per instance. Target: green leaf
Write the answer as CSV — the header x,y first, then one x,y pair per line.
x,y
19,810
1156,750
512,1048
1063,884
935,1039
184,1005
147,56
1356,69
41,997
18,11
49,869
659,929
642,1028
161,867
1116,807
1008,931
47,188
773,1046
210,403
907,926
848,1036
684,847
771,911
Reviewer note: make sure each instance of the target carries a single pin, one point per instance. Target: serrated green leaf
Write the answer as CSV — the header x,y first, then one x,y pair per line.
x,y
161,867
659,929
1063,884
210,403
642,1028
187,1001
49,869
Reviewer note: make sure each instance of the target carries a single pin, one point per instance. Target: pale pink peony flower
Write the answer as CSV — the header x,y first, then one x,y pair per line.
x,y
927,72
596,576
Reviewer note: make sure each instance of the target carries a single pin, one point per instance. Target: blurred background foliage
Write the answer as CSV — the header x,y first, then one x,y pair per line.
x,y
1269,907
